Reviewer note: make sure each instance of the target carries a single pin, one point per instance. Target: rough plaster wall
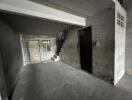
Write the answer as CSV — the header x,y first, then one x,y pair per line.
x,y
70,51
103,44
128,61
11,54
2,81
120,36
1,75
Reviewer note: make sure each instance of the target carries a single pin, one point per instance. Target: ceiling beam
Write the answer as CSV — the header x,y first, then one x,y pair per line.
x,y
37,10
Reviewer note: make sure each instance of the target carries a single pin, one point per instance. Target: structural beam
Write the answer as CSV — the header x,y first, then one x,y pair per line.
x,y
37,10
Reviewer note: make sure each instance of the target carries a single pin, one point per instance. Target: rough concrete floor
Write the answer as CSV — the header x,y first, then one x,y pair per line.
x,y
59,81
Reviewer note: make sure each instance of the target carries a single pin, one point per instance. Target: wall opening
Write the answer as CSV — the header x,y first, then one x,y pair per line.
x,y
85,43
37,48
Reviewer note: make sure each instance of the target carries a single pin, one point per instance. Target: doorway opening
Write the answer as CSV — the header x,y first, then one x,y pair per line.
x,y
37,48
85,43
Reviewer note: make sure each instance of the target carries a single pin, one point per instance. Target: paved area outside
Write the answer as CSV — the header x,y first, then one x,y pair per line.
x,y
59,81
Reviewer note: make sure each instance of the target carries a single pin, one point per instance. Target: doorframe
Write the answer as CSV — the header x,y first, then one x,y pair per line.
x,y
79,46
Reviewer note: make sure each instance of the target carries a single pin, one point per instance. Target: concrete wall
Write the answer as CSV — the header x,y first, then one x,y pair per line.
x,y
103,45
1,75
120,39
70,50
128,62
11,54
3,93
108,40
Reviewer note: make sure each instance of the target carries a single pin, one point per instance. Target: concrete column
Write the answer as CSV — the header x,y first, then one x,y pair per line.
x,y
120,38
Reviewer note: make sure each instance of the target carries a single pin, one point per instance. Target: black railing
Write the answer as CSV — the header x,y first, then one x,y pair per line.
x,y
60,39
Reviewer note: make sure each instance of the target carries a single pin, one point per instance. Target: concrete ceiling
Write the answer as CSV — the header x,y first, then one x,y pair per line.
x,y
84,7
34,9
31,25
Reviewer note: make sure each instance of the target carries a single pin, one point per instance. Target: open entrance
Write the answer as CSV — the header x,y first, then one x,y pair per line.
x,y
85,39
37,48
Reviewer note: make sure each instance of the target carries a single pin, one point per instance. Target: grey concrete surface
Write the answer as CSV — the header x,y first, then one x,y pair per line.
x,y
59,81
10,53
31,25
103,43
3,93
129,35
83,7
120,42
70,50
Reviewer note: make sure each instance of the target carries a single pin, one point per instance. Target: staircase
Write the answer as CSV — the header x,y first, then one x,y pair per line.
x,y
55,58
61,37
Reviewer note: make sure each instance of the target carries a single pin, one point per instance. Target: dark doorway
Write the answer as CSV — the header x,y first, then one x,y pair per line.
x,y
85,41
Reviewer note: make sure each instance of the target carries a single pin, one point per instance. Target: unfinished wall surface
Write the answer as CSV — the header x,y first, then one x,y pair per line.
x,y
120,39
70,50
108,44
103,44
11,54
1,75
3,93
128,61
